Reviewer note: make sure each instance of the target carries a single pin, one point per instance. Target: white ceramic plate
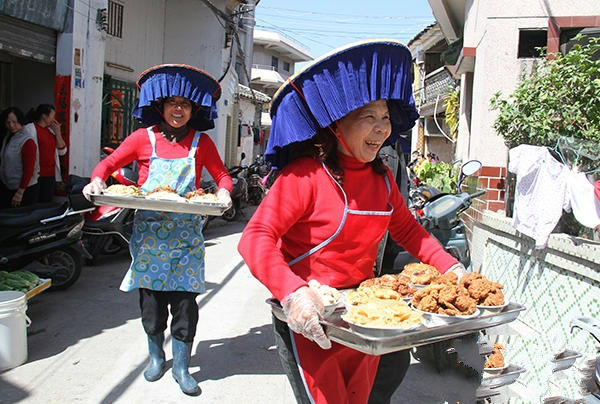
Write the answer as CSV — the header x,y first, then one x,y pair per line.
x,y
437,319
495,371
493,309
381,331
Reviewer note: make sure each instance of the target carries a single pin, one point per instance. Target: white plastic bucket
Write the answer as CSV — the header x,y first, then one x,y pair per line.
x,y
13,329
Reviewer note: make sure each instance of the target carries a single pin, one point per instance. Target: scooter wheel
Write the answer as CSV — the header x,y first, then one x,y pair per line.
x,y
67,264
230,213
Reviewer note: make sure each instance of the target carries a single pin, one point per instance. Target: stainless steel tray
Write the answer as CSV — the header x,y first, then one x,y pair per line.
x,y
508,376
140,202
339,331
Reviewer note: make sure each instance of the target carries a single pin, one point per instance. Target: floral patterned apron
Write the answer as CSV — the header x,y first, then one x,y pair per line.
x,y
167,249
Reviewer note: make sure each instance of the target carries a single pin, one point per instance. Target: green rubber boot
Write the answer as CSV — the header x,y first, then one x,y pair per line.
x,y
156,367
182,352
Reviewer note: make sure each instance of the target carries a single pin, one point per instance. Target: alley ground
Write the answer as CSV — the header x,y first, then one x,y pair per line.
x,y
86,344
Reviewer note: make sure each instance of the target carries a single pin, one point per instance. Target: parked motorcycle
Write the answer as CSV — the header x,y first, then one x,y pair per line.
x,y
239,193
44,239
440,217
257,189
107,229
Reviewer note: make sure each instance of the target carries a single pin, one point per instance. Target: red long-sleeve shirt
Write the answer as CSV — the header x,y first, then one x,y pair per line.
x,y
304,208
47,145
137,146
28,156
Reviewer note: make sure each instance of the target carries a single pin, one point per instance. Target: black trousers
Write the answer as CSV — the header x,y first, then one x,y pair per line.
x,y
283,340
30,196
46,188
390,373
184,309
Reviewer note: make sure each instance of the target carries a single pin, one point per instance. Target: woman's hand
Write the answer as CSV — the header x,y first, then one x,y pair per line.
x,y
458,269
96,186
17,198
223,196
303,309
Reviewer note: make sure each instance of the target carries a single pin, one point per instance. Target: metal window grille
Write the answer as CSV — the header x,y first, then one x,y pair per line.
x,y
115,19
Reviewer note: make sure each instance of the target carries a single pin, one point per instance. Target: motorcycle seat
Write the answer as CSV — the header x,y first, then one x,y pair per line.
x,y
28,215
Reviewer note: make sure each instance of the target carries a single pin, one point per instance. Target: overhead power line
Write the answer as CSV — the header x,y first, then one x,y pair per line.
x,y
326,14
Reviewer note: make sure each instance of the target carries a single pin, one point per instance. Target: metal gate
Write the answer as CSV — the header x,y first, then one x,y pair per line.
x,y
119,98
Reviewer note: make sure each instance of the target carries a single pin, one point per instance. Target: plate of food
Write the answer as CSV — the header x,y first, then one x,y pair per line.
x,y
381,318
494,365
444,303
398,283
164,199
420,274
331,297
487,294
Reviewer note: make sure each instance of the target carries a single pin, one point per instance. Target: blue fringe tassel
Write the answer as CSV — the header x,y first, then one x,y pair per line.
x,y
338,84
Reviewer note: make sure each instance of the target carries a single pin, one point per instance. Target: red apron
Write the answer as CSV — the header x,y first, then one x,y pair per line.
x,y
340,374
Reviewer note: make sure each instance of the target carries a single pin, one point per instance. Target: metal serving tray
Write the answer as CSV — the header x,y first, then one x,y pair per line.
x,y
508,376
140,202
339,331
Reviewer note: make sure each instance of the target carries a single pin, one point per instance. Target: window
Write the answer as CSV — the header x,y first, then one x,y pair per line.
x,y
286,66
529,40
115,19
275,62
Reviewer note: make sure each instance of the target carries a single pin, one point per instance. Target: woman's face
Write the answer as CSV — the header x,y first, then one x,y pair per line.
x,y
12,124
47,119
364,130
177,111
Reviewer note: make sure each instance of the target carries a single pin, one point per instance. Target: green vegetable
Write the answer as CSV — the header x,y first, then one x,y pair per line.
x,y
22,281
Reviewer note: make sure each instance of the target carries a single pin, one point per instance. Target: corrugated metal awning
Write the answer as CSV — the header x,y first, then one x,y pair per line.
x,y
23,39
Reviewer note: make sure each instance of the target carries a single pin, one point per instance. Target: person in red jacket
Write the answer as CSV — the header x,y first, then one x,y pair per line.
x,y
167,249
331,205
19,162
50,146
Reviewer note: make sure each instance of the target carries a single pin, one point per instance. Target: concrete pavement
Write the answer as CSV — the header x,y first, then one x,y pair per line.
x,y
86,344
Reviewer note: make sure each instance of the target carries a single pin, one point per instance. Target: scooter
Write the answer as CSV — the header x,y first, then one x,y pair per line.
x,y
256,186
44,239
107,229
440,217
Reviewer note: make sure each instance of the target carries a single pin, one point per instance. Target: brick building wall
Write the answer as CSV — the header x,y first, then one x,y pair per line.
x,y
493,181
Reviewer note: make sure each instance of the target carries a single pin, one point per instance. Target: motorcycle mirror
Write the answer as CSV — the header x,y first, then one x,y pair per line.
x,y
470,167
242,156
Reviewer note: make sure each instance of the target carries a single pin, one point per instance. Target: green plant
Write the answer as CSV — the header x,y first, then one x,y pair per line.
x,y
442,176
560,99
452,105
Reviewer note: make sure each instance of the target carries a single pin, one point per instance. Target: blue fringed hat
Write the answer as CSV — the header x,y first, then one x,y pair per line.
x,y
338,83
173,80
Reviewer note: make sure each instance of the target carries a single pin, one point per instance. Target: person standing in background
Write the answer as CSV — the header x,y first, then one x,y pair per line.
x,y
50,146
19,163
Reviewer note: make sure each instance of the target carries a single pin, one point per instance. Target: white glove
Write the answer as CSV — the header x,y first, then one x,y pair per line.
x,y
223,196
303,309
458,269
96,186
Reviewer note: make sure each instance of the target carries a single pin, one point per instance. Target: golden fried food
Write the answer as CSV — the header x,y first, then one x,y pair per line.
x,y
496,359
365,294
444,299
449,278
166,193
421,274
383,313
400,284
119,189
484,291
200,196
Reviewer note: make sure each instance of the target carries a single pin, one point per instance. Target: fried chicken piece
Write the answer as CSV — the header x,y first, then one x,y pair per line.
x,y
420,274
367,283
466,304
479,288
198,192
496,359
388,281
405,290
494,299
162,189
448,295
428,303
449,278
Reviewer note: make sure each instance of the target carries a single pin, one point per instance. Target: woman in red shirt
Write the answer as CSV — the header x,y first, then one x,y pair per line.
x,y
167,249
50,146
331,205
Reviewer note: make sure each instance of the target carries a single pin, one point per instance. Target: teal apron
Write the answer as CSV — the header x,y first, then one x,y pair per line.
x,y
167,249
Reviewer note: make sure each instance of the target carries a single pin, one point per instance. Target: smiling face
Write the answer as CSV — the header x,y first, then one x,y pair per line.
x,y
177,111
364,130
